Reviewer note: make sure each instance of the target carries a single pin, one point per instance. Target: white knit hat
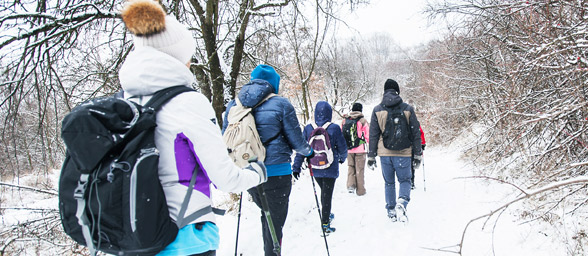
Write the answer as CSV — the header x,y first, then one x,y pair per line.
x,y
151,27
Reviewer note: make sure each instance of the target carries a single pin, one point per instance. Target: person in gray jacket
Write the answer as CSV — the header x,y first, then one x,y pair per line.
x,y
396,161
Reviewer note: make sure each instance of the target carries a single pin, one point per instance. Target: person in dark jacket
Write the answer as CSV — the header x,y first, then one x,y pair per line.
x,y
279,131
394,162
325,177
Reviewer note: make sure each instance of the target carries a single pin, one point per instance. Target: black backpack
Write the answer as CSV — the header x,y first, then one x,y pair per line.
x,y
396,135
110,197
350,133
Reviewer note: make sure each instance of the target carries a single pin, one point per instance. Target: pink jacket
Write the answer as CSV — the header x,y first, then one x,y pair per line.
x,y
363,131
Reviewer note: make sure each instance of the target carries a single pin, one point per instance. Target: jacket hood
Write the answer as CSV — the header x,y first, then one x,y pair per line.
x,y
147,70
322,113
253,92
355,114
391,99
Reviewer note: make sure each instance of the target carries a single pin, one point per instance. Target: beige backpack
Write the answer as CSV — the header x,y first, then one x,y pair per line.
x,y
241,136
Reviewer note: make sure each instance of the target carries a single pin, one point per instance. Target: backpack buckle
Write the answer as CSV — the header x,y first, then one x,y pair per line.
x,y
81,188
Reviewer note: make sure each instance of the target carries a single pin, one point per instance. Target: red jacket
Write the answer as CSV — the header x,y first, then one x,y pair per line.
x,y
422,136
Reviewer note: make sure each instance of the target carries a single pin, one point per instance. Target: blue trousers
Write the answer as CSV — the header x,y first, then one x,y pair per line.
x,y
396,167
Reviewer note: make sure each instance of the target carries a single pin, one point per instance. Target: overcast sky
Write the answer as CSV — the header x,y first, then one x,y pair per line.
x,y
402,20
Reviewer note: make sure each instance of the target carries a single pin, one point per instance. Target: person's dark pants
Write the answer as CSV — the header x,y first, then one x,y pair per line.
x,y
327,186
412,170
277,191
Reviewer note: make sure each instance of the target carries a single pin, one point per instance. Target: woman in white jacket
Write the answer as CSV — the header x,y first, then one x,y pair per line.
x,y
187,132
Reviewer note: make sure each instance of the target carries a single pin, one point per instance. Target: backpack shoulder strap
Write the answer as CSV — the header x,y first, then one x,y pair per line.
x,y
326,125
183,220
265,99
246,110
164,95
314,125
403,106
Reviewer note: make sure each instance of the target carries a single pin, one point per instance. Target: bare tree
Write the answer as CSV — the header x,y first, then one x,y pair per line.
x,y
516,73
56,54
40,52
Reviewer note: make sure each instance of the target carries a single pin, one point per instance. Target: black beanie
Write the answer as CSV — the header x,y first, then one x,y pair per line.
x,y
391,84
357,107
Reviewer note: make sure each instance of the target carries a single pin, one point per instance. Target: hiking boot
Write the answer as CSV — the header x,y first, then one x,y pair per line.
x,y
328,229
401,212
392,215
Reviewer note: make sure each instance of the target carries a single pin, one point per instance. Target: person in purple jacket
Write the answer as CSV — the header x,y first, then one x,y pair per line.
x,y
325,177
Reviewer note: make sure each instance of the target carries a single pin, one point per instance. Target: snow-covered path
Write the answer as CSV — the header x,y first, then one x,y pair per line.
x,y
437,218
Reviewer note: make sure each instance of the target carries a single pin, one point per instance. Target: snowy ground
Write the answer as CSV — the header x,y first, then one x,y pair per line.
x,y
437,218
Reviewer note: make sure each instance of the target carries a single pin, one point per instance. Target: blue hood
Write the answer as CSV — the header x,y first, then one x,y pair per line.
x,y
255,91
322,113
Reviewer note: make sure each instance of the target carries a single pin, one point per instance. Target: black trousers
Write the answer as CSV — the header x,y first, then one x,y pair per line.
x,y
412,169
277,191
327,186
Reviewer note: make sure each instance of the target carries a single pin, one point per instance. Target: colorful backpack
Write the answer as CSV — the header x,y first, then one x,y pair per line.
x,y
350,133
320,142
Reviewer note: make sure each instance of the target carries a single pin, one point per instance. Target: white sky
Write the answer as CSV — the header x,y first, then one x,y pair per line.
x,y
402,20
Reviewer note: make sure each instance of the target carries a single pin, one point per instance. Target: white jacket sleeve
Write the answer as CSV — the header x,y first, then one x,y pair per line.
x,y
199,125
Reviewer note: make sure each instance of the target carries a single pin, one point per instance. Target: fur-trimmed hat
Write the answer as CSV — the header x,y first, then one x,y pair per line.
x,y
267,73
150,26
391,84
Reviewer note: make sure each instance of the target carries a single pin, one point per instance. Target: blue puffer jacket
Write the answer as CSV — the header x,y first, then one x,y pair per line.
x,y
277,126
323,113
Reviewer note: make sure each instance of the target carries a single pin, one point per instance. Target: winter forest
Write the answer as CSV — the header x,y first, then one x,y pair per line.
x,y
505,80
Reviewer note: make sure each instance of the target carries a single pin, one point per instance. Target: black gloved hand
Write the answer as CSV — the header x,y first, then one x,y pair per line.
x,y
296,175
423,146
341,161
416,161
308,157
371,162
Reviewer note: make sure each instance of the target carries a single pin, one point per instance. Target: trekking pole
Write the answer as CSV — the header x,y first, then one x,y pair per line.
x,y
318,206
238,223
424,185
268,217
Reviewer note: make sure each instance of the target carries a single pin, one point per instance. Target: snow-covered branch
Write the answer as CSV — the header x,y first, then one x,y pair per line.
x,y
526,194
44,191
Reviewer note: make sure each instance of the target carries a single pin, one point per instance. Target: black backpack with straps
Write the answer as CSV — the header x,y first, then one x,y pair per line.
x,y
350,133
396,135
110,196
